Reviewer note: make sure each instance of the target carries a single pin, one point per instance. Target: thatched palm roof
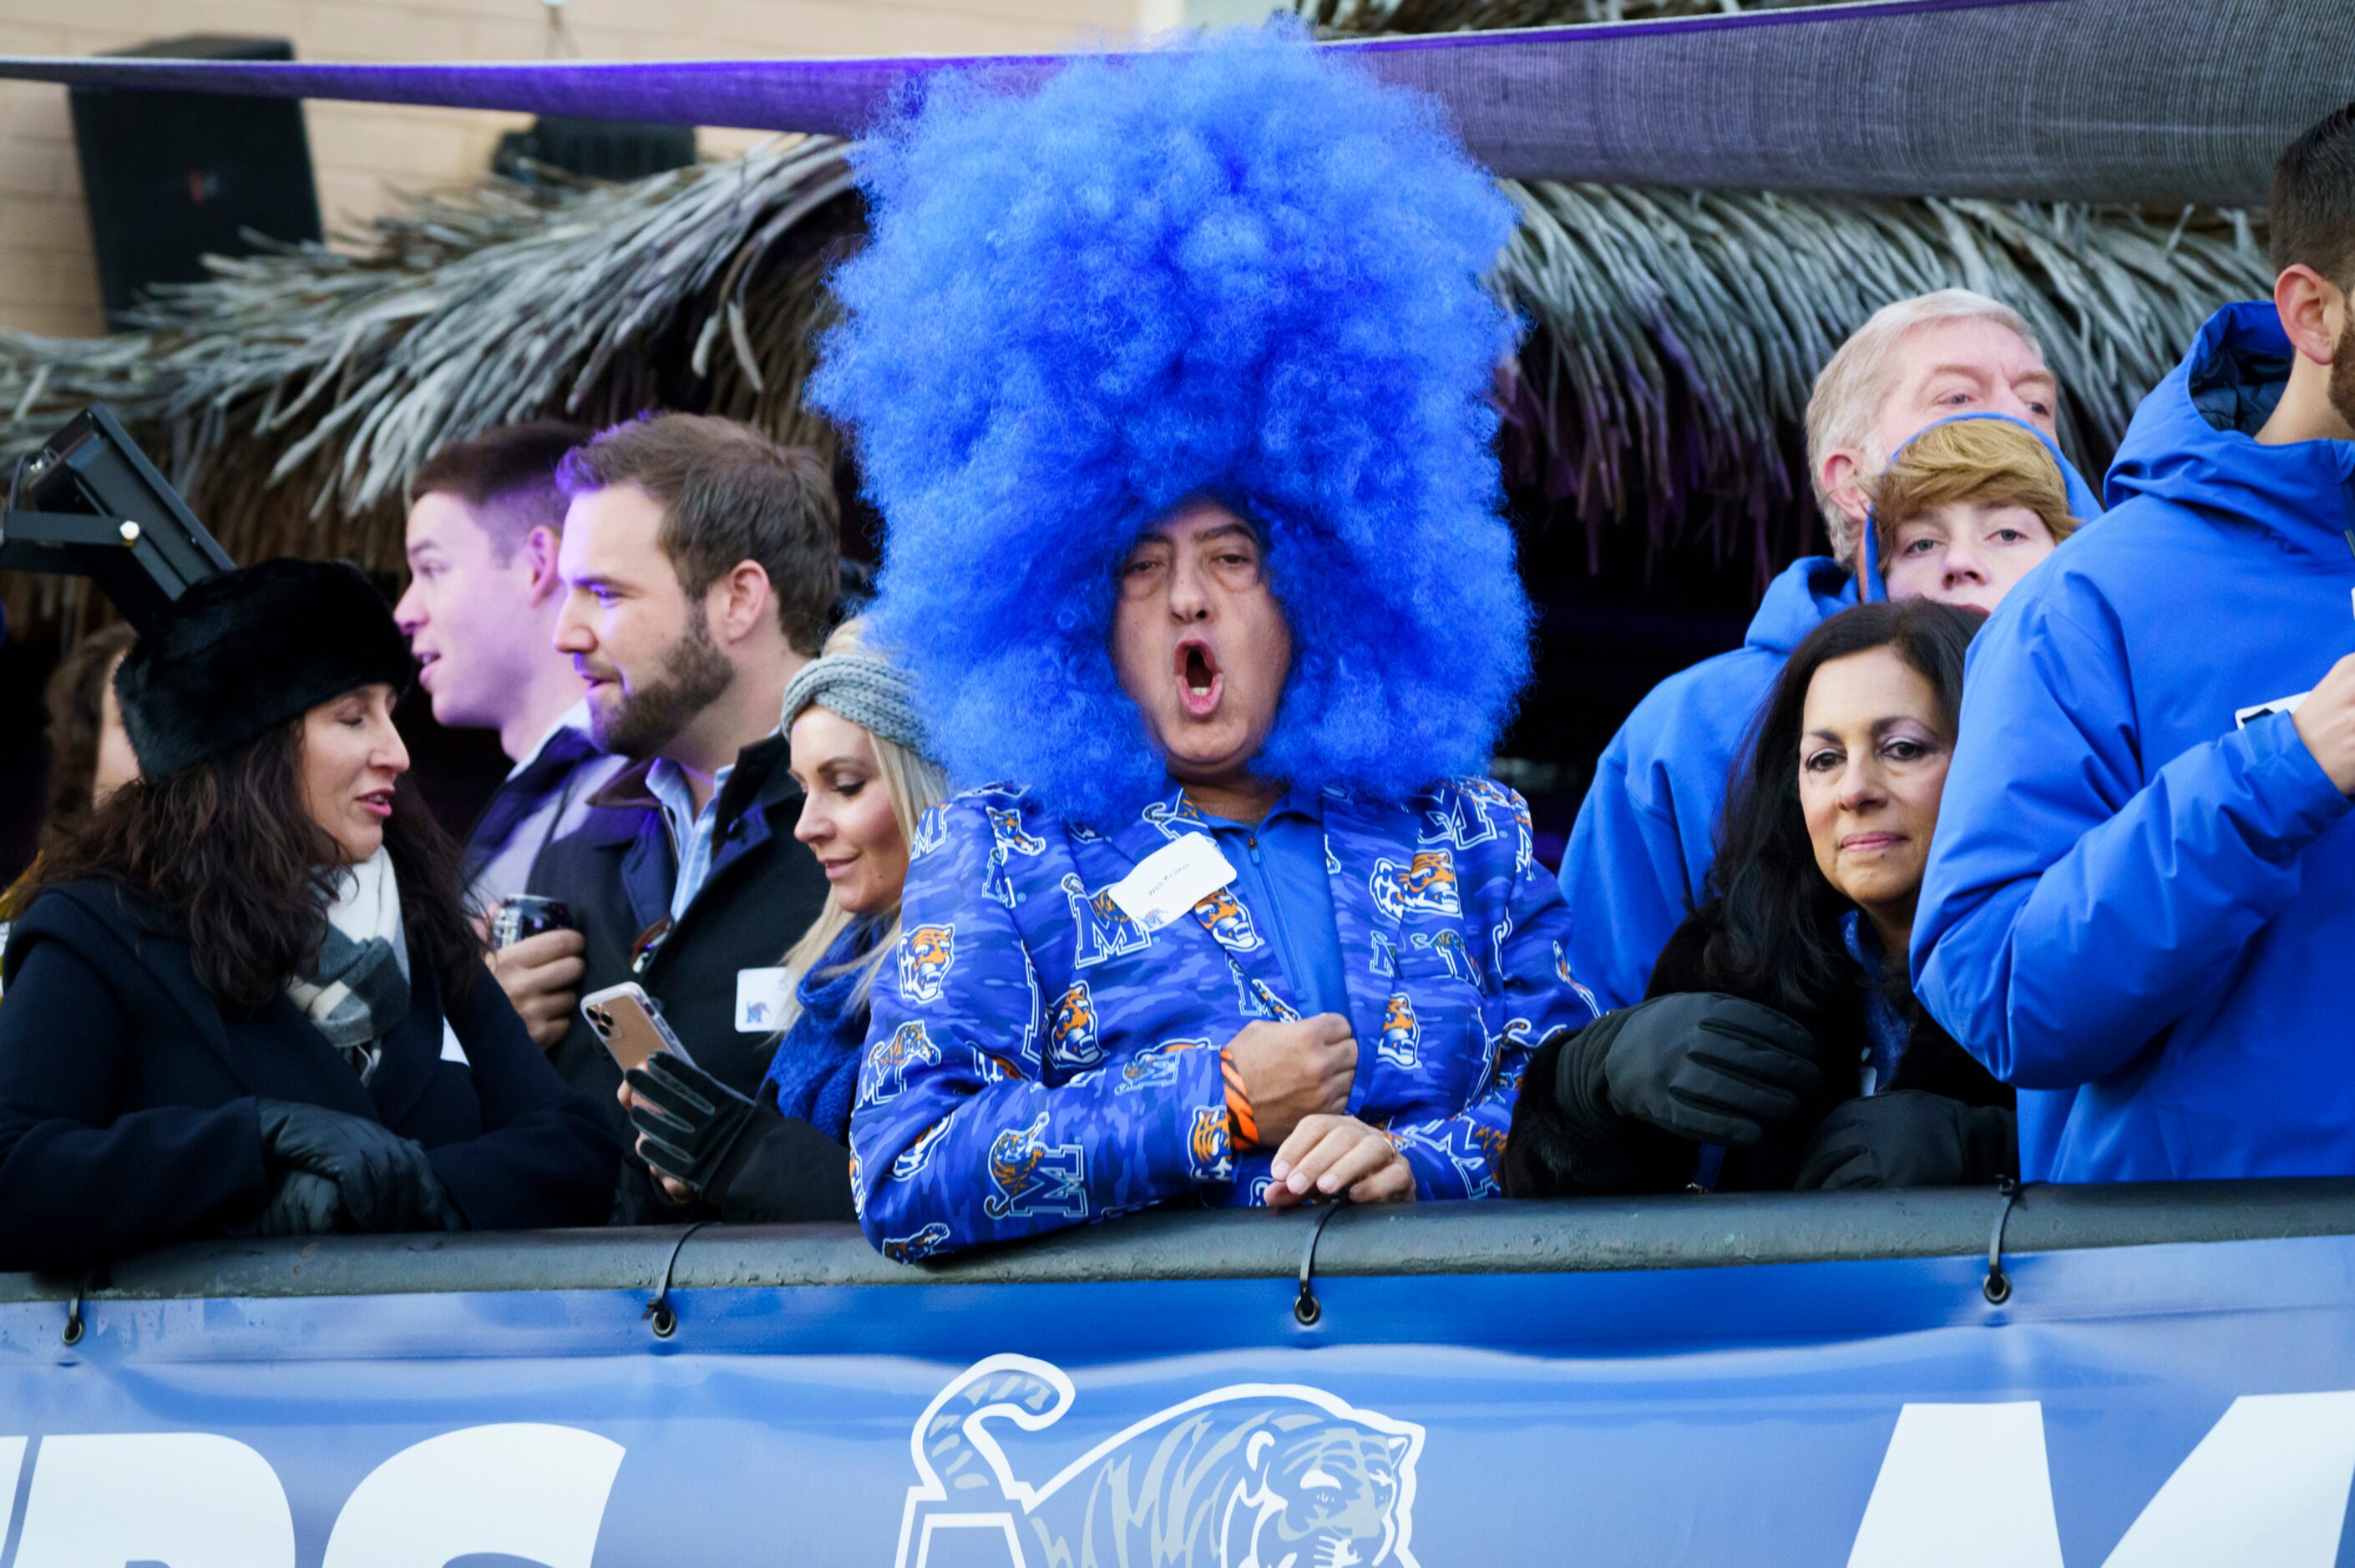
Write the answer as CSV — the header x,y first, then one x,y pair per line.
x,y
1674,334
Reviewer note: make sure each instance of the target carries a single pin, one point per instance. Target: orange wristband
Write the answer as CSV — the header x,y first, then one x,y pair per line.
x,y
1242,1123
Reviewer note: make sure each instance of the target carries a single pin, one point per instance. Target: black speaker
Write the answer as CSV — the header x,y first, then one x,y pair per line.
x,y
172,178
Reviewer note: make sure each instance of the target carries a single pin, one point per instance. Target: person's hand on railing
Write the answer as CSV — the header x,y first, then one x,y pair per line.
x,y
383,1182
1327,1156
1908,1138
1711,1068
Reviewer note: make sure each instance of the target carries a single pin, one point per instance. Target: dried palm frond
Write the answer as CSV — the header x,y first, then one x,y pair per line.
x,y
1363,18
1674,334
291,394
1677,334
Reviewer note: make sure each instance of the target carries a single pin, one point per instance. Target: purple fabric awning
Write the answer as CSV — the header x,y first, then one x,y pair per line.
x,y
2155,100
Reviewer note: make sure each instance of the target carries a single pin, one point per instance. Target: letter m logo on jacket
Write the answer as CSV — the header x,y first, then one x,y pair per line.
x,y
1031,1177
1104,930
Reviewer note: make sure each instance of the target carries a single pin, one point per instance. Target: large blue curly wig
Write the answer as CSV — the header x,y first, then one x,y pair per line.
x,y
1236,268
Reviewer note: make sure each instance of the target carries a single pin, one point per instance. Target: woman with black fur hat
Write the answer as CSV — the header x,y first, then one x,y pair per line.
x,y
243,995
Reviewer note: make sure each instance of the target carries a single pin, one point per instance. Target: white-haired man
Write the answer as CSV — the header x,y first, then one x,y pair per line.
x,y
1640,855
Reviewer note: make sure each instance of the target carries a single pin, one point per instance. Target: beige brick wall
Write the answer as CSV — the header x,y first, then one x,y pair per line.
x,y
49,282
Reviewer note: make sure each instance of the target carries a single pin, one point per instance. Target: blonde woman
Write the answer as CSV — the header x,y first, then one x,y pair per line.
x,y
859,755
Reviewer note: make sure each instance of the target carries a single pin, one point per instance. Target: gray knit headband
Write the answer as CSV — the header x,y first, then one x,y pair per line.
x,y
876,696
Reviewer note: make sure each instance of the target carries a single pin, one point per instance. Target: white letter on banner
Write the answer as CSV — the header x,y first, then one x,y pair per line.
x,y
1962,1485
2268,1484
11,1468
193,1500
522,1490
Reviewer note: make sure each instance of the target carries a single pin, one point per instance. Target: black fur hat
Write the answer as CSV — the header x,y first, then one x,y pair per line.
x,y
250,649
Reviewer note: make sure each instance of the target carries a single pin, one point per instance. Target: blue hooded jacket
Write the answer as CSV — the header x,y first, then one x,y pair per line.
x,y
2138,910
1645,837
1646,831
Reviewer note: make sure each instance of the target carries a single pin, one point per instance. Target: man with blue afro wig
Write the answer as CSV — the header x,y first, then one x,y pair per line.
x,y
1171,380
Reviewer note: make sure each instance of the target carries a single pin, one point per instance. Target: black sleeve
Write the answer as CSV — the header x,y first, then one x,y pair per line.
x,y
786,1170
81,1184
1549,1153
544,1158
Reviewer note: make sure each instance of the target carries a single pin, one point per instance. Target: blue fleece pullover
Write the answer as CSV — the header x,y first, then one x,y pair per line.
x,y
2138,910
1646,832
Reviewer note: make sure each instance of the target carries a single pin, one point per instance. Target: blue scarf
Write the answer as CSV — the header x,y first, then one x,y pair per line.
x,y
815,1068
1883,1024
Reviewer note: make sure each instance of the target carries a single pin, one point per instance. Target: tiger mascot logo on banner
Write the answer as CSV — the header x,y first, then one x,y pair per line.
x,y
1248,1476
1424,885
925,954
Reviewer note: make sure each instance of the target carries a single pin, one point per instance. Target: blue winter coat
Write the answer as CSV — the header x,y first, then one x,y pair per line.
x,y
2136,910
1037,1060
1645,837
1646,834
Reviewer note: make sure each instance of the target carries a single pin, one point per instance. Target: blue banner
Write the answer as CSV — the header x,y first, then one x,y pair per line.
x,y
2138,1407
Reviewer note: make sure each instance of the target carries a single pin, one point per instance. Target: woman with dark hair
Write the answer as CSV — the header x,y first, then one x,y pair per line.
x,y
1780,1044
90,753
242,993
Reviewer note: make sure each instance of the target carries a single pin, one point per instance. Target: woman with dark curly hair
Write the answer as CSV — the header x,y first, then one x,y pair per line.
x,y
1780,1044
242,993
90,754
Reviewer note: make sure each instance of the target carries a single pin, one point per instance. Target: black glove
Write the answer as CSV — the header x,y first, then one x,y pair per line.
x,y
302,1204
384,1180
687,1121
1910,1138
1711,1068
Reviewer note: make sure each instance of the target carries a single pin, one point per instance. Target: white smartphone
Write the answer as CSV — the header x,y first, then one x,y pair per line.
x,y
631,1025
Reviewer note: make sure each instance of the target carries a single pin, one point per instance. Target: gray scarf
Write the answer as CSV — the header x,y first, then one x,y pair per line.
x,y
357,989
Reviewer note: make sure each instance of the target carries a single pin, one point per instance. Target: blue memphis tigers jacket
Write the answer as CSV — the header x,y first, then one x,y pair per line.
x,y
1036,1059
2138,908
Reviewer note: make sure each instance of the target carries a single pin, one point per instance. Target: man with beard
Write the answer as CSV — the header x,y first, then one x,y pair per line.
x,y
2142,892
699,565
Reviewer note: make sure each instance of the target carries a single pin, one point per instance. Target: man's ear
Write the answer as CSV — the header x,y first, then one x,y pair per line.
x,y
740,602
1841,470
539,550
2313,312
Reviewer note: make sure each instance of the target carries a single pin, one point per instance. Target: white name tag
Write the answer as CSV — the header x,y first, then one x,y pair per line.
x,y
2244,717
760,996
1172,880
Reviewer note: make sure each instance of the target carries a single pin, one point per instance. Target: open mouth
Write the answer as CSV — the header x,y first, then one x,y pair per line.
x,y
378,802
1199,682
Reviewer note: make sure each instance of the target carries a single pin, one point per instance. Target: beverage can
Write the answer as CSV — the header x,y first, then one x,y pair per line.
x,y
528,915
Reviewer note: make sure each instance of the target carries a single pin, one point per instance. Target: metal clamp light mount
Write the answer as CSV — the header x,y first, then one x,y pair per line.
x,y
89,503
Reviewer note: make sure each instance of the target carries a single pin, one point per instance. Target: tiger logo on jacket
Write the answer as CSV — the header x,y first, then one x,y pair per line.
x,y
1155,1067
925,954
1032,1176
1208,1156
885,1073
1424,885
1401,1032
1072,1033
1228,921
